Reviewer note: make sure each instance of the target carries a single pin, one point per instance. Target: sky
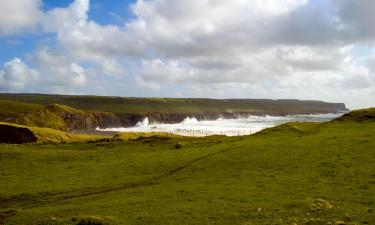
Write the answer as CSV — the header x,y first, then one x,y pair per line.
x,y
277,49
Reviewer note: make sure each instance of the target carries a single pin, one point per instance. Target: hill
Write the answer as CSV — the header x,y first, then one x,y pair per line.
x,y
362,115
296,173
122,105
58,117
9,110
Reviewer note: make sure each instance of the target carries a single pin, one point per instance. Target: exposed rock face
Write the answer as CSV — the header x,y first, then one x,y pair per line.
x,y
16,135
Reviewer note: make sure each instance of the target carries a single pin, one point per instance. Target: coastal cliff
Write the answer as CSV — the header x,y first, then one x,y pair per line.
x,y
70,113
67,119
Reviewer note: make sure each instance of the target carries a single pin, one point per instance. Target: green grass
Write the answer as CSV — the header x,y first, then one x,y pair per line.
x,y
359,115
43,118
297,173
49,116
35,115
12,109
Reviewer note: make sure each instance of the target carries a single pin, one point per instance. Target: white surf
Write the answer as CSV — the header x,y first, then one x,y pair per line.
x,y
229,127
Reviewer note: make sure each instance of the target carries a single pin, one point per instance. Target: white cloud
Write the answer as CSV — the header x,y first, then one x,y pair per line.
x,y
18,16
16,75
85,39
211,48
51,72
64,18
140,82
57,69
205,27
165,72
79,76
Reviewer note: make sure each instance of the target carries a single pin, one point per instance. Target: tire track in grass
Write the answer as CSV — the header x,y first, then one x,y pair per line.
x,y
29,201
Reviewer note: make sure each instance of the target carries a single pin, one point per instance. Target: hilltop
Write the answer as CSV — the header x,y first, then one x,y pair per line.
x,y
362,115
123,105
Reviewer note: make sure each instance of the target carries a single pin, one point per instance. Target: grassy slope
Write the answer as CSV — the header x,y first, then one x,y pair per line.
x,y
47,135
274,177
37,115
30,114
49,116
11,109
361,115
142,105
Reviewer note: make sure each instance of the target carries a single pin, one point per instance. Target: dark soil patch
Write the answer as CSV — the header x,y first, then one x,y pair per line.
x,y
15,135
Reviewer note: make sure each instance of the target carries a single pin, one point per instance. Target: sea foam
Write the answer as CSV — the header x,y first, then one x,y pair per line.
x,y
190,126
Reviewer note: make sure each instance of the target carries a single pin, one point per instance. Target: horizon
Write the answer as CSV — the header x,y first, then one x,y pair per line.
x,y
288,50
151,97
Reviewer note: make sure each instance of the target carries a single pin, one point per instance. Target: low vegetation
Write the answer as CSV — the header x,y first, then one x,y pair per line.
x,y
296,173
12,109
362,115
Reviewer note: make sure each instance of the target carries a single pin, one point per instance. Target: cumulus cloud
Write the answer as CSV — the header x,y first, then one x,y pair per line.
x,y
18,16
64,18
16,75
51,72
210,48
205,27
294,49
85,39
57,69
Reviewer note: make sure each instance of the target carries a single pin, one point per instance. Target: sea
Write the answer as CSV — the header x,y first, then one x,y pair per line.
x,y
229,127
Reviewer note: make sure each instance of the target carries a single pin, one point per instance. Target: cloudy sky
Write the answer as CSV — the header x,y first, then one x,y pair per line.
x,y
305,49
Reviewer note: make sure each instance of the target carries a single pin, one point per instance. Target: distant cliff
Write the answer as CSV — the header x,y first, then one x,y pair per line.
x,y
88,112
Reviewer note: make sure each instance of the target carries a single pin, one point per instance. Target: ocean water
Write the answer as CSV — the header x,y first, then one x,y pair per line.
x,y
229,127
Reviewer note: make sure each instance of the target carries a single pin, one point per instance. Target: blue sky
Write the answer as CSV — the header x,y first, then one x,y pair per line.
x,y
101,12
305,49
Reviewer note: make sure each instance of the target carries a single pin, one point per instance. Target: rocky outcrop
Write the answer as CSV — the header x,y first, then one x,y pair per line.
x,y
16,135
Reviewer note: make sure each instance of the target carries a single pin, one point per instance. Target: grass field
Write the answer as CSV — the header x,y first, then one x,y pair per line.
x,y
298,173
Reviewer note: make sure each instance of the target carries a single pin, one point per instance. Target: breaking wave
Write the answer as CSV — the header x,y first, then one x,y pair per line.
x,y
190,126
144,123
